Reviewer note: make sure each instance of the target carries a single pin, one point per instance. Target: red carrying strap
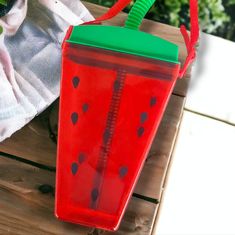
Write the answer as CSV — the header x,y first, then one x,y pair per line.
x,y
113,11
189,38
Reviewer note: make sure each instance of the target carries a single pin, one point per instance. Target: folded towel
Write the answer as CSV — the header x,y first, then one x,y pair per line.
x,y
30,58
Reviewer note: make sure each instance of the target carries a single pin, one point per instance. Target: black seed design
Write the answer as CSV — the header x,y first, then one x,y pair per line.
x,y
116,86
106,136
74,118
140,131
85,108
153,101
143,117
94,194
81,158
74,168
123,171
76,82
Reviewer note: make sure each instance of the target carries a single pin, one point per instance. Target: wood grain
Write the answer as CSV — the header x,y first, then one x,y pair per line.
x,y
32,142
24,210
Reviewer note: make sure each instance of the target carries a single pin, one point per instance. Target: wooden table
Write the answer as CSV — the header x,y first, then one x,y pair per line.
x,y
27,165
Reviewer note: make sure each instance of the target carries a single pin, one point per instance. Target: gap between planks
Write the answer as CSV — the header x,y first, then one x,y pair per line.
x,y
208,116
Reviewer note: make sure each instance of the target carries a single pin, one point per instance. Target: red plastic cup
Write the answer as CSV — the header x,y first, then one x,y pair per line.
x,y
116,83
111,106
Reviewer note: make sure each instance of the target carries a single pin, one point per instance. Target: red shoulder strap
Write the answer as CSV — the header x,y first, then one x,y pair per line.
x,y
113,11
189,38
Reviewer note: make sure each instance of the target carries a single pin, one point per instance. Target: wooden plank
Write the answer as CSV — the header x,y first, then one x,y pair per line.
x,y
200,190
162,30
25,210
211,91
33,143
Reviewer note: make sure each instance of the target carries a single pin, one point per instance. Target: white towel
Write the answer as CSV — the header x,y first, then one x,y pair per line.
x,y
30,58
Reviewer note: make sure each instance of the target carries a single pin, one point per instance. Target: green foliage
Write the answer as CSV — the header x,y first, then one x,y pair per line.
x,y
3,2
176,12
216,16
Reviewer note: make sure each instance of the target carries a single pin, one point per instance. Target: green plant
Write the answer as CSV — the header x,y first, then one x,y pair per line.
x,y
216,16
228,31
175,12
3,2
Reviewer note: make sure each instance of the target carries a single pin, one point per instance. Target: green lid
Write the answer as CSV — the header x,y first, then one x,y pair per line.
x,y
127,39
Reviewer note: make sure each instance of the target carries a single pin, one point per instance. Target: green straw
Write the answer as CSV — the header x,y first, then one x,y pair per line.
x,y
137,13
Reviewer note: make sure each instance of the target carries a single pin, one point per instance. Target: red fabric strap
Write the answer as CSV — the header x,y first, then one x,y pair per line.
x,y
113,11
189,38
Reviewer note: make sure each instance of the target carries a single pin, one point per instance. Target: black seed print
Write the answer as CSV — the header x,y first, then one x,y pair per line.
x,y
140,131
81,158
116,86
123,171
143,117
94,194
76,82
74,168
74,118
85,108
106,136
153,101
